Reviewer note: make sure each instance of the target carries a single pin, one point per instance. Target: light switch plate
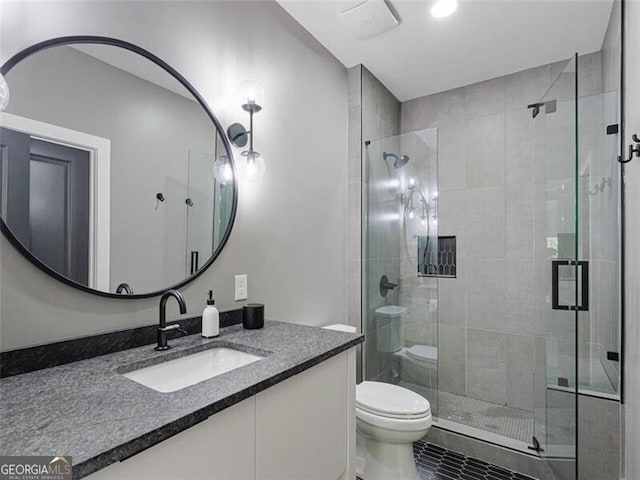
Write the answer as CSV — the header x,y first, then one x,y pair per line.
x,y
241,287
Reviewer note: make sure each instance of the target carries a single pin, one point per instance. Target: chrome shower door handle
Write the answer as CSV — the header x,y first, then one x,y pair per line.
x,y
583,265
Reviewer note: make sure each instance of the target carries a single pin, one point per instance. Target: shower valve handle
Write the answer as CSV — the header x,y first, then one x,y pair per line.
x,y
386,285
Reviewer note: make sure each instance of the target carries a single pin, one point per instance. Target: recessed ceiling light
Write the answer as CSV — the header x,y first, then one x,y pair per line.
x,y
443,8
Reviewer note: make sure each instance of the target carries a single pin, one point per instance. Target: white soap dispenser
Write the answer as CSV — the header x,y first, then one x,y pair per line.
x,y
210,318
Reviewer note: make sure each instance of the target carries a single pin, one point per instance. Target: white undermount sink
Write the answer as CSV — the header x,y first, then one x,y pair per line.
x,y
191,369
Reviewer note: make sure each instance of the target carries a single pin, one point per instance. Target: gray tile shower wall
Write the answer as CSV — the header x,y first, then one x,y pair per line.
x,y
487,178
374,113
599,438
354,206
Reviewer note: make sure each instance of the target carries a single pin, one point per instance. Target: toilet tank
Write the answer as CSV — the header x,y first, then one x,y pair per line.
x,y
390,327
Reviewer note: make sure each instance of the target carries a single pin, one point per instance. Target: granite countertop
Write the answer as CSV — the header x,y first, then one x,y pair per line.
x,y
88,410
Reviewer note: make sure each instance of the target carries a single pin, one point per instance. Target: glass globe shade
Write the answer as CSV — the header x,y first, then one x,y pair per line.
x,y
251,167
251,92
4,93
411,213
222,170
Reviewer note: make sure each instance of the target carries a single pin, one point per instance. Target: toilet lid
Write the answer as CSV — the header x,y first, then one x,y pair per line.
x,y
391,311
390,401
425,353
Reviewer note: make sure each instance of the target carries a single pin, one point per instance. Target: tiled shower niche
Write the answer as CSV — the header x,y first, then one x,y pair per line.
x,y
437,259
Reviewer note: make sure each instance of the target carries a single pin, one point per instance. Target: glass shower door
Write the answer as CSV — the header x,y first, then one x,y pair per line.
x,y
561,279
201,207
209,205
400,260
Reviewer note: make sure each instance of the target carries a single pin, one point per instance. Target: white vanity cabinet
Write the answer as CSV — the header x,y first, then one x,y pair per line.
x,y
301,425
302,428
221,447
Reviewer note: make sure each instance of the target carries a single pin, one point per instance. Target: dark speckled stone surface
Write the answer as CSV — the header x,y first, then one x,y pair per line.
x,y
88,410
23,360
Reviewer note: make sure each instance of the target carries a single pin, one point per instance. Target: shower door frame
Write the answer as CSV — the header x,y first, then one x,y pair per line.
x,y
559,320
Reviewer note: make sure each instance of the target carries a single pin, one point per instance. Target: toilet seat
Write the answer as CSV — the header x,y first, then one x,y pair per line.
x,y
393,424
390,401
423,353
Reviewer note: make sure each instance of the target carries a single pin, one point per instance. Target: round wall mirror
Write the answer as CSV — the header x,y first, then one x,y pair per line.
x,y
107,168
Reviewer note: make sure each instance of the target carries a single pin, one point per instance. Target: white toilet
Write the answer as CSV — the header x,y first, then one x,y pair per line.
x,y
389,419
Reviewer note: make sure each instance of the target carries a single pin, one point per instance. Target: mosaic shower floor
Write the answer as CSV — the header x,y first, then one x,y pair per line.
x,y
501,419
507,421
489,417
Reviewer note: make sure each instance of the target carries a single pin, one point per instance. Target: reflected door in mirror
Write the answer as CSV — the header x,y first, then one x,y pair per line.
x,y
47,201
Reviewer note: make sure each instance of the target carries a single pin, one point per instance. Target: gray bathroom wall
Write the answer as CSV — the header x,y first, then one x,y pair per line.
x,y
148,240
290,230
632,240
487,190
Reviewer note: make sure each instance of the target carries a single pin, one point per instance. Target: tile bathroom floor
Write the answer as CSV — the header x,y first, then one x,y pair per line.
x,y
437,463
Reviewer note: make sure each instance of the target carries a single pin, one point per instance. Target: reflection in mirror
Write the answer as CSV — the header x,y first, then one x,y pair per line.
x,y
92,140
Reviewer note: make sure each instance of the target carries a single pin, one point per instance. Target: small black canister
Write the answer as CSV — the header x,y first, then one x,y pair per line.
x,y
253,316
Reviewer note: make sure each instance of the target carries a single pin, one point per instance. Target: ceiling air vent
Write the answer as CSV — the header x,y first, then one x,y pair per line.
x,y
369,19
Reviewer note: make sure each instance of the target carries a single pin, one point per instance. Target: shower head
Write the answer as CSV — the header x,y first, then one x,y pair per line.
x,y
398,161
401,161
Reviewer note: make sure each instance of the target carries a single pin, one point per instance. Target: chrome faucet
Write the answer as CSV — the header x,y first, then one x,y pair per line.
x,y
163,328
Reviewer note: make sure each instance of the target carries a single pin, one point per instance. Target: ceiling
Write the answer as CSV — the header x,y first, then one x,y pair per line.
x,y
134,64
484,39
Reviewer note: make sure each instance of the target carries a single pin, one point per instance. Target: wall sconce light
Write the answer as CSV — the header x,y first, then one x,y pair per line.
x,y
252,167
4,93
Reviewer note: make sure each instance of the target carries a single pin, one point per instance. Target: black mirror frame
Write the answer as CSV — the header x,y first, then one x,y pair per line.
x,y
75,39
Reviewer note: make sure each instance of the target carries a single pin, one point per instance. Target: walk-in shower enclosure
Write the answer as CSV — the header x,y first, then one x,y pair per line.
x,y
490,254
